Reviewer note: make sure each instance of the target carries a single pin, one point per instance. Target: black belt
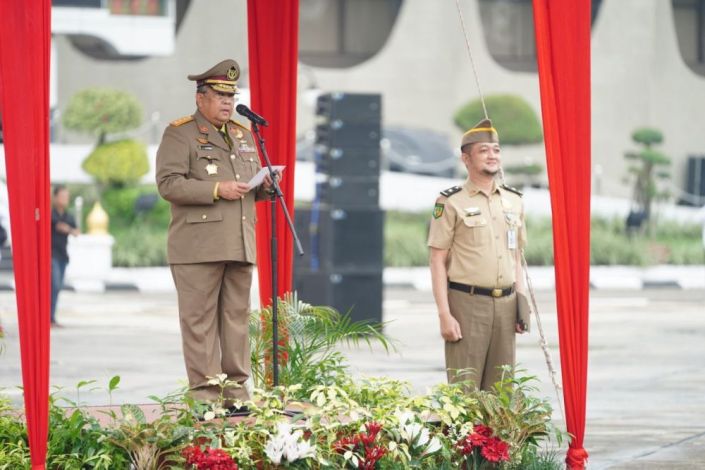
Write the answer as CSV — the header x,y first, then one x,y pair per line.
x,y
472,290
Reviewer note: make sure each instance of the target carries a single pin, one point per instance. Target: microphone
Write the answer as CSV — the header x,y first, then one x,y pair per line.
x,y
243,110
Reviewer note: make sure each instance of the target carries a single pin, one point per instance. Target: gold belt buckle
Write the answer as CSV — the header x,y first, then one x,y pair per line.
x,y
496,292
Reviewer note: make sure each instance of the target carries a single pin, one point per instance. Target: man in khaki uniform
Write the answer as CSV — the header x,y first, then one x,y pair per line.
x,y
475,238
203,165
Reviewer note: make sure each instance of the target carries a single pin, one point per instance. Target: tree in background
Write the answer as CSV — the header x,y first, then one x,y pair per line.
x,y
648,166
512,116
103,112
515,121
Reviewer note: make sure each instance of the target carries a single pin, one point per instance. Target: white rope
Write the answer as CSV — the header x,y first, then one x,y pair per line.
x,y
543,343
472,62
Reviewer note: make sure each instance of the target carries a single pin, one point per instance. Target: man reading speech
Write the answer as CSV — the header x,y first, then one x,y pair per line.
x,y
204,162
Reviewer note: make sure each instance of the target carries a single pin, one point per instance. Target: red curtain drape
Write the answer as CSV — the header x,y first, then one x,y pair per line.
x,y
273,27
25,35
563,49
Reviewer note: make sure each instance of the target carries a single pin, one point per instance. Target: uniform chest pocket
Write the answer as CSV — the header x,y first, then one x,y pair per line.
x,y
477,228
203,216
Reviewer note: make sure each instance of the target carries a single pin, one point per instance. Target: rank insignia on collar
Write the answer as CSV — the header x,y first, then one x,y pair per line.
x,y
438,210
212,169
203,129
238,134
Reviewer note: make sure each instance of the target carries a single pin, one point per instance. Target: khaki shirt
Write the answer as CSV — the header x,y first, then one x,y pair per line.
x,y
191,158
476,229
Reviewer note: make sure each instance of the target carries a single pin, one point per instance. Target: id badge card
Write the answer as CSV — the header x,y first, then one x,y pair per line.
x,y
512,239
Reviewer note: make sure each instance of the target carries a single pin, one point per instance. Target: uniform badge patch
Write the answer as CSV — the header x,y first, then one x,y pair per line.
x,y
202,140
438,210
212,169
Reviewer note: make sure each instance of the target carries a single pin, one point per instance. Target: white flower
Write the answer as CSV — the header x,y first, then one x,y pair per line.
x,y
275,449
288,445
418,436
404,416
433,446
208,415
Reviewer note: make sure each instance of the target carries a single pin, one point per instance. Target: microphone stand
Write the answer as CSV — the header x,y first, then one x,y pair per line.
x,y
276,193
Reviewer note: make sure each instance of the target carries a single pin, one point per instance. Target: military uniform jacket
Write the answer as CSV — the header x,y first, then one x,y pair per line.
x,y
481,233
191,158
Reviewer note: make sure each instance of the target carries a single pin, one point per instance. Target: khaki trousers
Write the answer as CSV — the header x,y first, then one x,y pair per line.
x,y
488,328
214,310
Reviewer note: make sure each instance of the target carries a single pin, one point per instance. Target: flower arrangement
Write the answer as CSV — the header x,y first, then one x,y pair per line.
x,y
337,422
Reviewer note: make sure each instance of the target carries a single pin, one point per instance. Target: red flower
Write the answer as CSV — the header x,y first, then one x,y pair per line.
x,y
495,450
477,440
345,444
192,454
483,430
366,439
373,428
375,453
210,459
363,444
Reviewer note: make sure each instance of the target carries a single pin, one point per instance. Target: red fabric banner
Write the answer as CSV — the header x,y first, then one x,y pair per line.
x,y
273,31
563,49
25,34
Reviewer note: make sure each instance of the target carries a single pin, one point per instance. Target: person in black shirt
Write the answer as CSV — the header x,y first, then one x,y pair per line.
x,y
62,225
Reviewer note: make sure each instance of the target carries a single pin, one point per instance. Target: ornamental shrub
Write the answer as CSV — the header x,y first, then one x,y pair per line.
x,y
117,163
515,120
102,111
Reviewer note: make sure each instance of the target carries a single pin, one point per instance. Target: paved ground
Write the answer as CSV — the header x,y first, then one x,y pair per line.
x,y
646,392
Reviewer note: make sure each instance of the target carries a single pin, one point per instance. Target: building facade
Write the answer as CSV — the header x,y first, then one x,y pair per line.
x,y
648,66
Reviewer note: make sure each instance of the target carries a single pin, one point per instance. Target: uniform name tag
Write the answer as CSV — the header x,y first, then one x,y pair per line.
x,y
512,239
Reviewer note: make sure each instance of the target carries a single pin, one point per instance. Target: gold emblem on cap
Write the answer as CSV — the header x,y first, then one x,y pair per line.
x,y
232,73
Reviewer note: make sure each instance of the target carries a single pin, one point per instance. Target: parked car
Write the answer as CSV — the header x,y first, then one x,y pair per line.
x,y
410,150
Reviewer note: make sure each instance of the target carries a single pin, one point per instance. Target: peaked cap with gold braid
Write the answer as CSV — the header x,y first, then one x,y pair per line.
x,y
221,77
482,132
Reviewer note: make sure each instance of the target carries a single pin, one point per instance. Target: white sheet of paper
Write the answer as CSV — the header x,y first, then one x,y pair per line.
x,y
259,177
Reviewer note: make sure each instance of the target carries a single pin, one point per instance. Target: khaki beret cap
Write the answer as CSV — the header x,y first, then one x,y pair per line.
x,y
221,77
482,132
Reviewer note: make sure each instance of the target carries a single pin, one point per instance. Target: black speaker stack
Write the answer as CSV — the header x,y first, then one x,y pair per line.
x,y
342,232
695,180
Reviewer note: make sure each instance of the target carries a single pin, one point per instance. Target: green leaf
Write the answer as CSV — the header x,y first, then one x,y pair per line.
x,y
83,383
113,384
134,412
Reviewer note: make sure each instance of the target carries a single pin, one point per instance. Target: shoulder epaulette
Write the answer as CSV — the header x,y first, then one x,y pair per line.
x,y
512,190
181,120
450,191
239,125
